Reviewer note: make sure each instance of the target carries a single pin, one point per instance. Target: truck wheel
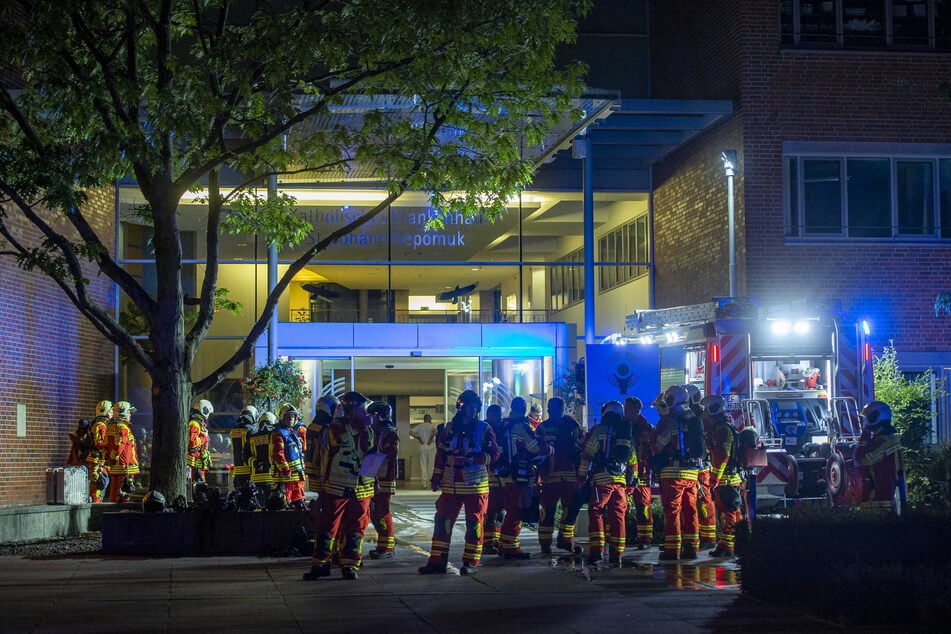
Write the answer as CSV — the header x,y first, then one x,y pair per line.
x,y
792,485
835,474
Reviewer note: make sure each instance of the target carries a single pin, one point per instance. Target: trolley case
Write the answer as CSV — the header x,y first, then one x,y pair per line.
x,y
67,485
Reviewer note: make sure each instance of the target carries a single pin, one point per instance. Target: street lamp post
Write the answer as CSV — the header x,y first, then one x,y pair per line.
x,y
729,166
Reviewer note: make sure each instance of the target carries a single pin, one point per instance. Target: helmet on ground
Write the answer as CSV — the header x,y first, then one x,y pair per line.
x,y
519,405
876,413
103,408
284,409
123,410
713,404
267,418
693,393
660,405
327,404
676,396
469,397
381,409
153,502
203,407
613,407
249,414
353,398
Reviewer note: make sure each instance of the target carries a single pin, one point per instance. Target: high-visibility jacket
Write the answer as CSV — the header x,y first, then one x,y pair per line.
x,y
519,446
259,447
239,448
286,457
464,450
348,441
198,456
564,436
387,442
607,453
123,457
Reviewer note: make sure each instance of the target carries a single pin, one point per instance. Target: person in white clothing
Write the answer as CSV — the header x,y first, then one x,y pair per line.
x,y
425,433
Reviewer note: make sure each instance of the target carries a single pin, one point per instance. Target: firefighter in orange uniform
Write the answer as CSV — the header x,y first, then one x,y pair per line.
x,y
287,457
96,459
706,508
880,456
123,459
495,513
563,434
609,457
679,448
520,447
345,507
315,447
640,487
387,442
465,448
725,478
198,458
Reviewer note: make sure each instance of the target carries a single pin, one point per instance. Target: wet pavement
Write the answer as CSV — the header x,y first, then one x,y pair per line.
x,y
95,593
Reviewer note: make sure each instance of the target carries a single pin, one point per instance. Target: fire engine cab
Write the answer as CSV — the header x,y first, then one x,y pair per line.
x,y
799,374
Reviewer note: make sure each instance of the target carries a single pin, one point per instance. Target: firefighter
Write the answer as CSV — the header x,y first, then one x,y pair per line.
x,y
880,457
563,434
387,442
495,512
97,456
287,456
679,448
726,480
535,416
239,434
199,458
639,488
520,448
706,509
345,508
465,448
80,443
607,455
315,445
259,451
123,461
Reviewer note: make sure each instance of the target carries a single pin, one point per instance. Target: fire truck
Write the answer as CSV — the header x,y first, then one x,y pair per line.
x,y
797,373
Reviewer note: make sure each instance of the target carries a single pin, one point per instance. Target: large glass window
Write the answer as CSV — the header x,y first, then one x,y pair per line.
x,y
622,254
884,198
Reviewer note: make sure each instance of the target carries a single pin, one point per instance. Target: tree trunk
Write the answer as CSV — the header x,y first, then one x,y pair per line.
x,y
171,399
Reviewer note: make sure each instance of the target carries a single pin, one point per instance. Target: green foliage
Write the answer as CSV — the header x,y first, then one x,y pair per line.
x,y
926,468
566,388
273,383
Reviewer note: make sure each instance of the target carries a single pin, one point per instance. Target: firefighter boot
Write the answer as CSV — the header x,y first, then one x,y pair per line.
x,y
317,572
432,569
563,544
688,552
349,573
468,569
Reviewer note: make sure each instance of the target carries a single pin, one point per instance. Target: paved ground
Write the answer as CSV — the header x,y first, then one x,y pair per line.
x,y
93,593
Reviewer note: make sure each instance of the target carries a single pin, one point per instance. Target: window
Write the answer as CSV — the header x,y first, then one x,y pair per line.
x,y
622,254
868,197
866,24
567,280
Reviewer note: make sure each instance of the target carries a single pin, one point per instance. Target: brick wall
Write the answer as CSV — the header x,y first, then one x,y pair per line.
x,y
793,95
51,360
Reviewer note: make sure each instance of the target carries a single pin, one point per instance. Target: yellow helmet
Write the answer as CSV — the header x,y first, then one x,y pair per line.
x,y
123,410
286,408
203,407
104,408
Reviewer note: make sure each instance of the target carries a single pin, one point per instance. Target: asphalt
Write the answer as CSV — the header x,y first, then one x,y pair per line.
x,y
95,593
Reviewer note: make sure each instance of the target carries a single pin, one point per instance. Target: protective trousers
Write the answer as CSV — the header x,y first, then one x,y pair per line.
x,y
552,494
607,510
679,497
706,508
494,514
294,491
644,514
512,522
728,521
382,520
448,506
344,515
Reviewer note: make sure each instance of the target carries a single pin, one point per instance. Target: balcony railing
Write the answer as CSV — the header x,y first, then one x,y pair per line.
x,y
418,316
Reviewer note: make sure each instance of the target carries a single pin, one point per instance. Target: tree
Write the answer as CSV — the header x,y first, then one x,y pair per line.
x,y
173,93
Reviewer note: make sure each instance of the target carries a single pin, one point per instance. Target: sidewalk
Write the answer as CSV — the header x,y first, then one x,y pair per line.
x,y
100,594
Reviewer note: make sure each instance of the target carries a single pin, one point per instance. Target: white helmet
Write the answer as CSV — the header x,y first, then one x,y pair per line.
x,y
694,393
676,396
661,405
713,404
203,407
876,413
268,418
123,410
104,408
612,406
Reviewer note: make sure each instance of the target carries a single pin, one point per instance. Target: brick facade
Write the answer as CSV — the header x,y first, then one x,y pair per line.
x,y
791,95
53,362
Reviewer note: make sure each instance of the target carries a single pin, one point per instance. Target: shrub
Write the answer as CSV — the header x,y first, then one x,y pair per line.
x,y
275,382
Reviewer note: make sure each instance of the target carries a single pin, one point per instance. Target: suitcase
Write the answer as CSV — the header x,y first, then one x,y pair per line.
x,y
67,485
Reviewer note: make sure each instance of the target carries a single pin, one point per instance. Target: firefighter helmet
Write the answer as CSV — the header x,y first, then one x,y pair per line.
x,y
267,418
203,407
660,405
468,397
153,502
284,409
380,409
876,413
353,398
693,392
713,404
748,437
614,407
123,410
518,405
104,408
327,404
676,396
249,414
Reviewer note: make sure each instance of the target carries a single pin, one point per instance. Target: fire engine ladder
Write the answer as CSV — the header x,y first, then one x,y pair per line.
x,y
660,317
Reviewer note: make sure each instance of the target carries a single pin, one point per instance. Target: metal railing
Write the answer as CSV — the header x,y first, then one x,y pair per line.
x,y
304,315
